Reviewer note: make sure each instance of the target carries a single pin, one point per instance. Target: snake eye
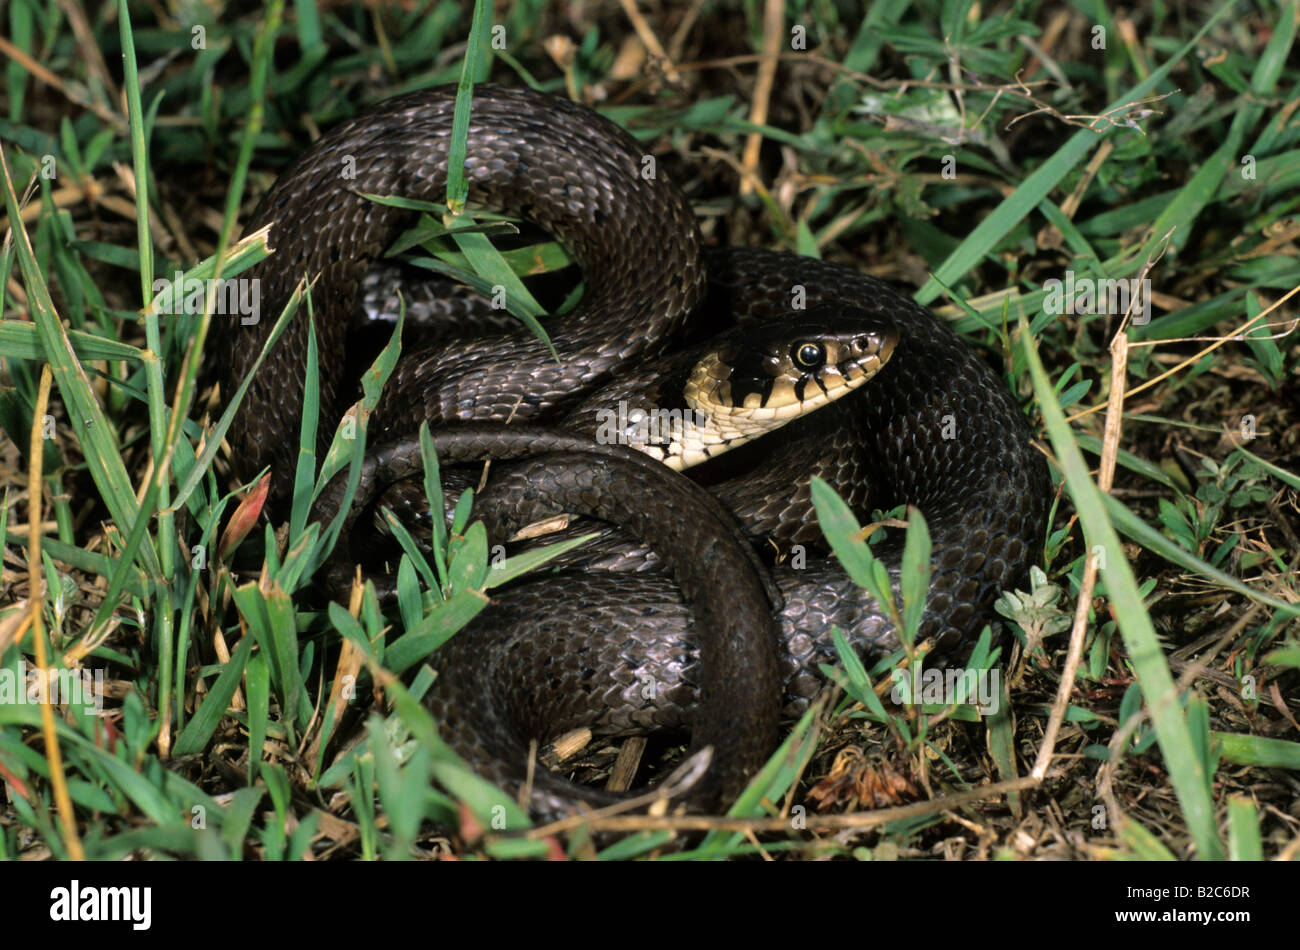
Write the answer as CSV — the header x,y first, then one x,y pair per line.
x,y
809,356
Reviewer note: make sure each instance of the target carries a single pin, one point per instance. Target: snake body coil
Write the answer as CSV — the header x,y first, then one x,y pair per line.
x,y
935,429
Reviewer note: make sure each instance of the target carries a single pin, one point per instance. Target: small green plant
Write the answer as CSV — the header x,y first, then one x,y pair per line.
x,y
1193,521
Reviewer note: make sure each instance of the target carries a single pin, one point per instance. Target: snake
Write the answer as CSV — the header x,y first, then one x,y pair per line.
x,y
725,642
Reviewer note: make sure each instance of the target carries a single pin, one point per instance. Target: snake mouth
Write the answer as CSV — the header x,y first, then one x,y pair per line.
x,y
767,373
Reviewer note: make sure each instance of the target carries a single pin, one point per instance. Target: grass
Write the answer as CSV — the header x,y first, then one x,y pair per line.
x,y
974,158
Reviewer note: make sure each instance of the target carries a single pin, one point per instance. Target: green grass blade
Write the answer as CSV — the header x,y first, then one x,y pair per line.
x,y
1258,750
1187,770
20,340
200,729
1244,842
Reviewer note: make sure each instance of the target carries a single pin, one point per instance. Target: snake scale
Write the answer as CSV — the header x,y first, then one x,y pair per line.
x,y
935,429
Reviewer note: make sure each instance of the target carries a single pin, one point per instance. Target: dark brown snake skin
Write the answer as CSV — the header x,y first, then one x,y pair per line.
x,y
622,652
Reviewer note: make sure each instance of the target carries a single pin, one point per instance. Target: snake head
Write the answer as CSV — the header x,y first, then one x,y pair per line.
x,y
744,383
775,369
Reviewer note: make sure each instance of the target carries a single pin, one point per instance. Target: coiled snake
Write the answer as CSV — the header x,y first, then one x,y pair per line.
x,y
935,429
